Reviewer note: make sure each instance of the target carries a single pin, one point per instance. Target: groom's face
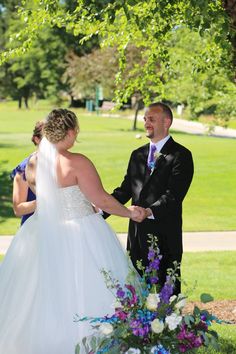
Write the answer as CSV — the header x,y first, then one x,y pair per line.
x,y
155,124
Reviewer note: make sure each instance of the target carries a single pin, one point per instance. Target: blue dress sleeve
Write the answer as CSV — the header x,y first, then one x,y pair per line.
x,y
20,169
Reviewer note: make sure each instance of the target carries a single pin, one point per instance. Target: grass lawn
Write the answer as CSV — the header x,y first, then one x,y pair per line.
x,y
211,272
210,202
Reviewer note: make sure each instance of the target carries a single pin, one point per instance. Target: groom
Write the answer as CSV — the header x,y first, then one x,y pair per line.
x,y
158,177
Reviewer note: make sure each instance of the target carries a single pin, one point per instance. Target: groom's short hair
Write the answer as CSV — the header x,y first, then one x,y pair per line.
x,y
165,109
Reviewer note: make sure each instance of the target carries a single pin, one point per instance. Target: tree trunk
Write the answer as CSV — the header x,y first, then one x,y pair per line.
x,y
20,102
135,117
138,106
26,98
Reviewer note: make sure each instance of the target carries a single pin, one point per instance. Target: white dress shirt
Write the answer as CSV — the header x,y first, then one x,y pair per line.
x,y
159,145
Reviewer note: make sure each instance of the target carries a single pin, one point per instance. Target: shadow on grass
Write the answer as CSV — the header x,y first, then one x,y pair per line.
x,y
7,146
225,347
6,210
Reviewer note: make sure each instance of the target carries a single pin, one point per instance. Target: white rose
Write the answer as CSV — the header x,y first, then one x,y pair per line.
x,y
157,326
152,301
181,302
173,298
173,321
106,328
133,351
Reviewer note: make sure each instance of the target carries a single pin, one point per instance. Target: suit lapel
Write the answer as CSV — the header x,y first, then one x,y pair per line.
x,y
167,147
146,174
164,151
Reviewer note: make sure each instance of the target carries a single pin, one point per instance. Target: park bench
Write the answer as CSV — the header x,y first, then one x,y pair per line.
x,y
107,105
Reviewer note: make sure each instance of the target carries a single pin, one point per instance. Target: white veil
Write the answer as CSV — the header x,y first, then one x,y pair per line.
x,y
46,185
53,252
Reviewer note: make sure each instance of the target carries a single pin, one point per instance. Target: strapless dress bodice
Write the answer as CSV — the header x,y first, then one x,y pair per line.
x,y
74,203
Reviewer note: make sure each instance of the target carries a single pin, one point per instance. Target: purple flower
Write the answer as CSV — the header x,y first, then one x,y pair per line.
x,y
139,329
189,338
166,292
151,254
155,264
120,293
202,326
153,280
134,298
121,315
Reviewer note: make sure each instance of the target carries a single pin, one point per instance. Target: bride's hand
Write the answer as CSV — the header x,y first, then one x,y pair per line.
x,y
138,214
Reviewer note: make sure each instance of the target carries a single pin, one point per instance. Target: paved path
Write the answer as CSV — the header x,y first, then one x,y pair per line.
x,y
203,241
193,241
197,128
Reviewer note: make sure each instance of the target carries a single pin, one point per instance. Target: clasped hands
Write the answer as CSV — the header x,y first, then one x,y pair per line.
x,y
138,214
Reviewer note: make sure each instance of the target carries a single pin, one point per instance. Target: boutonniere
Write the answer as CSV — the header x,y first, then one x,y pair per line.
x,y
157,156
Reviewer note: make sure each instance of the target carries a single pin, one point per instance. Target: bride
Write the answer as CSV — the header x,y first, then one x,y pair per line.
x,y
51,271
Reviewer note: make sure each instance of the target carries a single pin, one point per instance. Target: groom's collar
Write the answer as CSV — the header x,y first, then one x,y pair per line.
x,y
159,145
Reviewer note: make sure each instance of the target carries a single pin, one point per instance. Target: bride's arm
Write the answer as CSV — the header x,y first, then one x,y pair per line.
x,y
91,186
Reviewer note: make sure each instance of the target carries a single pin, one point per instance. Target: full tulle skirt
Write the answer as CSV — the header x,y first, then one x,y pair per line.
x,y
41,296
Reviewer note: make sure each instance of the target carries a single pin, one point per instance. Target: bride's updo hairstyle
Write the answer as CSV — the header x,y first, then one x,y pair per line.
x,y
57,124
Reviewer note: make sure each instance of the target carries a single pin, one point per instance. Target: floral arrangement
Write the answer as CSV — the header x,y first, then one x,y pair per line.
x,y
148,318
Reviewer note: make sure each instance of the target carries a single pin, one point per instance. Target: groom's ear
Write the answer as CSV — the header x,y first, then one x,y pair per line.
x,y
167,122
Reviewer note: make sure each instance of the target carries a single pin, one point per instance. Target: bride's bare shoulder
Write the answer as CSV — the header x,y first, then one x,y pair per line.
x,y
82,165
77,158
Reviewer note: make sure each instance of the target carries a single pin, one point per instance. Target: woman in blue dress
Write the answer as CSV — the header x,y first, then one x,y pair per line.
x,y
24,203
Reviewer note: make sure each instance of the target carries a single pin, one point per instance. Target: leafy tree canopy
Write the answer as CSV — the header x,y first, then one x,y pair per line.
x,y
149,25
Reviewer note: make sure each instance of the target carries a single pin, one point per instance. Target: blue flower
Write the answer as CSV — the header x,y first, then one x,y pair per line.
x,y
159,349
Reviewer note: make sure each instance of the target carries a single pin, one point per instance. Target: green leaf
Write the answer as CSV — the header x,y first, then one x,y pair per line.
x,y
77,349
196,311
206,298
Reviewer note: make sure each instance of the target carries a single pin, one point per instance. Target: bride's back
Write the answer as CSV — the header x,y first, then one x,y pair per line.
x,y
67,168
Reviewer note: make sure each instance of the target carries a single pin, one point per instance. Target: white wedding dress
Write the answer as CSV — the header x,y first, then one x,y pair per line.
x,y
52,271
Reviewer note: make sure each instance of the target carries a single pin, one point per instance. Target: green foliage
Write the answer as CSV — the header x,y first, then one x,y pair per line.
x,y
194,69
84,73
39,71
145,24
210,91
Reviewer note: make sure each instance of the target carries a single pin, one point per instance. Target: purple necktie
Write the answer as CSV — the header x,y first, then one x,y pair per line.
x,y
151,159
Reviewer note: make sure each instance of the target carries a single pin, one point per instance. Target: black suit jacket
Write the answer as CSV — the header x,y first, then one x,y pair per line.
x,y
163,191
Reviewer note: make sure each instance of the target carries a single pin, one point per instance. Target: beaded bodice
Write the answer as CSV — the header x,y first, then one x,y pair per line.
x,y
75,204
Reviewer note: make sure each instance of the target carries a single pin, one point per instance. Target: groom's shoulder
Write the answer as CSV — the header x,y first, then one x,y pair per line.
x,y
180,148
141,149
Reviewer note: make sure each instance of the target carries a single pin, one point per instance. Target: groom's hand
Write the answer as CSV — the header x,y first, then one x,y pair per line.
x,y
138,214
